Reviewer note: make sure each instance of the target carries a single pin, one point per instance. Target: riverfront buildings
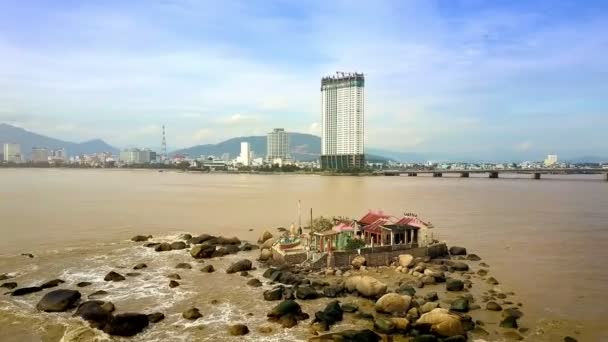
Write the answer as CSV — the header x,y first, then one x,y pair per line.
x,y
551,160
277,145
137,156
12,153
40,155
342,106
245,157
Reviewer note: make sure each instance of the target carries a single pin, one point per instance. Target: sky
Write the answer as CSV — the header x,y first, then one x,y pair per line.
x,y
487,79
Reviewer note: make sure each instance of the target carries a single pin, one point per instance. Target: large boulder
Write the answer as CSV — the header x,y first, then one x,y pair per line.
x,y
366,286
202,251
460,305
163,247
52,283
459,266
442,322
266,235
384,325
26,290
156,317
127,324
331,314
306,292
493,306
178,245
238,330
58,301
393,303
269,243
239,266
287,313
141,238
405,260
94,313
358,261
113,276
274,294
265,254
454,250
454,285
200,239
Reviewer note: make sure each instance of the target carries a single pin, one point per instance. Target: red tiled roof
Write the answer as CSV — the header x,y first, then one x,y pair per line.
x,y
375,227
372,217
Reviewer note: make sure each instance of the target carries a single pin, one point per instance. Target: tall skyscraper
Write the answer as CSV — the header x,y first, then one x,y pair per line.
x,y
277,145
342,106
245,157
12,153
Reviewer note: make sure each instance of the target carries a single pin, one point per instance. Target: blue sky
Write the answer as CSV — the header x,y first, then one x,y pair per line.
x,y
487,79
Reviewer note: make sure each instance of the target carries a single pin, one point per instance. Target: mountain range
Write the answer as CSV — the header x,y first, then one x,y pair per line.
x,y
27,140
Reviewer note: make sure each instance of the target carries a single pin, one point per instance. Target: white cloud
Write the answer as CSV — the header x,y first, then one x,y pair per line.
x,y
524,146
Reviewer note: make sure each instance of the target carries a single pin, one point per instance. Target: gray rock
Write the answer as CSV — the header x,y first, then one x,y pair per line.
x,y
93,313
141,238
350,307
99,293
254,282
492,281
113,276
52,283
9,285
156,317
173,284
163,247
58,301
184,265
177,245
454,285
454,250
192,314
473,257
238,330
26,290
208,269
174,276
140,266
241,265
127,324
460,305
274,294
509,322
431,296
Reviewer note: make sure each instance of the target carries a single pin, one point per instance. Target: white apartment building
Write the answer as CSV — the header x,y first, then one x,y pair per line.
x,y
12,153
277,145
137,156
342,107
551,160
40,155
245,156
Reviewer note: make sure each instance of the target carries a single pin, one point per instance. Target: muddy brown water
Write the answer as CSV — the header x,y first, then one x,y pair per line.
x,y
545,240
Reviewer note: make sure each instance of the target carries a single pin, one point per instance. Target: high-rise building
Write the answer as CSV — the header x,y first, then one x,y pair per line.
x,y
40,155
12,153
60,154
551,160
277,145
137,156
246,154
342,106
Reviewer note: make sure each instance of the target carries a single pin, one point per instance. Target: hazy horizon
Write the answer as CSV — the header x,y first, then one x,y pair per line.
x,y
462,78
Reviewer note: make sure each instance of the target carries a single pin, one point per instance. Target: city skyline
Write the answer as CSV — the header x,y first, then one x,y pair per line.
x,y
490,81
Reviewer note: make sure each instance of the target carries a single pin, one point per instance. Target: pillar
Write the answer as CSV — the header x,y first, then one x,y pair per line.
x,y
437,174
537,175
392,238
494,174
464,174
607,177
412,174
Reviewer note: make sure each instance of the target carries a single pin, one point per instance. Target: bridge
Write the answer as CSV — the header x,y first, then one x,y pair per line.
x,y
536,173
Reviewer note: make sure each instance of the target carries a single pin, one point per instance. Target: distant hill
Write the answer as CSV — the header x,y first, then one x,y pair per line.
x,y
303,147
28,139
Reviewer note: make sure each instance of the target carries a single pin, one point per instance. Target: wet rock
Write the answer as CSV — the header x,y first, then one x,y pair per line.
x,y
424,338
140,266
427,280
570,339
151,244
458,338
330,315
509,322
99,293
266,235
473,257
254,282
244,274
431,296
265,255
241,265
9,285
58,301
441,322
274,294
185,237
220,252
458,250
208,269
163,247
512,312
192,314
349,307
184,265
173,284
265,330
406,289
248,247
141,238
428,307
405,260
483,264
454,285
127,324
460,305
5,276
29,255
493,306
108,307
287,313
174,276
26,290
492,281
238,330
482,272
393,303
332,291
401,324
384,325
177,245
358,261
366,286
459,266
269,243
200,239
306,292
349,336
93,313
202,251
113,276
156,317
133,274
